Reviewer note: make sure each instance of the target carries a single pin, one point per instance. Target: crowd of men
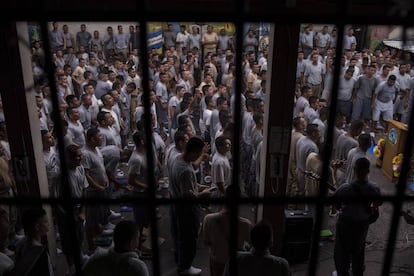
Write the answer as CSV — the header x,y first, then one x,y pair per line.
x,y
100,106
374,87
191,95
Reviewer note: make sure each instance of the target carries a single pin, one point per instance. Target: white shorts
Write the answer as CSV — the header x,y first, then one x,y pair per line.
x,y
386,109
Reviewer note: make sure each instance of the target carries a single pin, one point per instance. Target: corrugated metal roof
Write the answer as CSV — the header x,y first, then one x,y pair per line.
x,y
398,44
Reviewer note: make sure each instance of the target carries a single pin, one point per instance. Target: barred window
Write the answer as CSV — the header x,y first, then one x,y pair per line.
x,y
241,76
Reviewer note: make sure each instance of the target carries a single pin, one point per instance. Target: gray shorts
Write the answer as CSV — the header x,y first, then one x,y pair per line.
x,y
361,109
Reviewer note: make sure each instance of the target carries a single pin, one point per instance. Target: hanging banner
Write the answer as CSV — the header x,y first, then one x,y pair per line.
x,y
34,32
264,32
154,37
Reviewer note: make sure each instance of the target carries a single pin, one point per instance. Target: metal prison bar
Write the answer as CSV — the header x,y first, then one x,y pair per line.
x,y
319,203
67,202
401,186
344,6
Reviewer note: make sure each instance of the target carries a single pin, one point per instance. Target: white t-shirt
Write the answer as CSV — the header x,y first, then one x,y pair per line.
x,y
323,39
314,73
345,89
348,40
206,120
77,131
220,170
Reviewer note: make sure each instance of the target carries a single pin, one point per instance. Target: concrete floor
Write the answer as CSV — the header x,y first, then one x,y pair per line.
x,y
377,238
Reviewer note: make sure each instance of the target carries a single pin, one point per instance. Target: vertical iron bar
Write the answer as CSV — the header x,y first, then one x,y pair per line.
x,y
149,139
58,129
233,202
342,13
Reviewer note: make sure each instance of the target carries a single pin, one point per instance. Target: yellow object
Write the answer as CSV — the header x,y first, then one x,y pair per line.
x,y
397,159
393,146
394,160
377,152
396,163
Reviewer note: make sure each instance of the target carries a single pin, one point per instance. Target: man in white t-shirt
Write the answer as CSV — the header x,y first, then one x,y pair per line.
x,y
383,101
403,80
173,104
349,38
306,41
182,39
221,169
311,112
346,86
304,146
323,40
205,121
302,102
314,72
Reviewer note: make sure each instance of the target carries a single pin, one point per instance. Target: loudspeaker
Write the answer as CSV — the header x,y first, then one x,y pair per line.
x,y
298,226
